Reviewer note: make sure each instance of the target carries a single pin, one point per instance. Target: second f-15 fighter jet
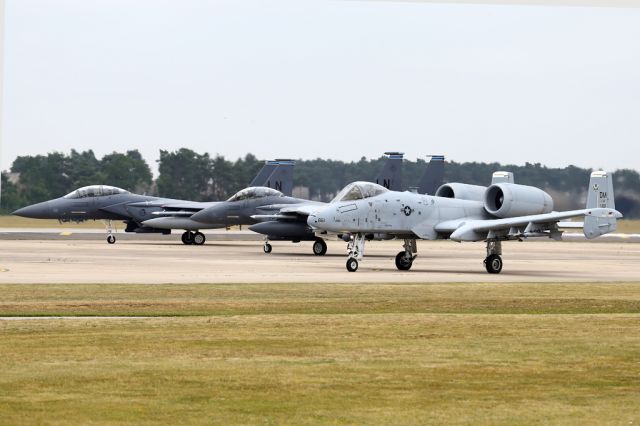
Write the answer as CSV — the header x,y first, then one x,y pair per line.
x,y
276,182
506,212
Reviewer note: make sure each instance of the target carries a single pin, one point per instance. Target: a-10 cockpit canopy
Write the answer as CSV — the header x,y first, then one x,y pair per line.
x,y
359,191
95,191
255,192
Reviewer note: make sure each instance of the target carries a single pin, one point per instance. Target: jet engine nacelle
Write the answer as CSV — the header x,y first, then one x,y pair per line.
x,y
461,191
510,200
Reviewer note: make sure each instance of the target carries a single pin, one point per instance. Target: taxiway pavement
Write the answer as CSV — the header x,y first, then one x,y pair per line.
x,y
151,261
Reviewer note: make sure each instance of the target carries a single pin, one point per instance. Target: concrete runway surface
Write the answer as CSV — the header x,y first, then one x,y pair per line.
x,y
151,261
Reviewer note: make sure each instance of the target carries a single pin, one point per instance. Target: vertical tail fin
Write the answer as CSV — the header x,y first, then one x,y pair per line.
x,y
391,175
264,173
433,176
600,195
281,178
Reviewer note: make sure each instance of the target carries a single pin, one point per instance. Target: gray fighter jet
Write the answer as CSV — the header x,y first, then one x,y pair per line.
x,y
108,203
506,212
290,222
277,182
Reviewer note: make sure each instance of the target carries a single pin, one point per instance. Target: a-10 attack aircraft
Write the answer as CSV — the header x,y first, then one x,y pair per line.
x,y
108,203
506,212
289,223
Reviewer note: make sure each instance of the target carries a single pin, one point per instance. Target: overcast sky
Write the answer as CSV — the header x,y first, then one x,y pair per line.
x,y
319,78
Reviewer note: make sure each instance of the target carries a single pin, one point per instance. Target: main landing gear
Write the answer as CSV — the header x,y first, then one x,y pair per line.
x,y
111,239
319,247
193,238
404,259
493,262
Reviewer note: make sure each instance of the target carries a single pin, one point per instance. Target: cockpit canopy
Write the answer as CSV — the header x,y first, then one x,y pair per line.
x,y
95,191
255,192
359,191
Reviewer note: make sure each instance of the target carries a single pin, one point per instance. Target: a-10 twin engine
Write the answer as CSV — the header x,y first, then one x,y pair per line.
x,y
461,191
509,200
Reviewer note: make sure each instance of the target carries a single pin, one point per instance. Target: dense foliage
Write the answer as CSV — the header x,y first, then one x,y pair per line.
x,y
186,174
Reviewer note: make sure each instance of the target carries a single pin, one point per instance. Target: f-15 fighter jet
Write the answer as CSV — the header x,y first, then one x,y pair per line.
x,y
108,203
277,181
506,212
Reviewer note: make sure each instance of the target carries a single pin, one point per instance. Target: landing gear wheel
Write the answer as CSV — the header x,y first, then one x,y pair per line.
x,y
402,262
319,247
267,248
111,239
187,238
352,265
198,238
493,263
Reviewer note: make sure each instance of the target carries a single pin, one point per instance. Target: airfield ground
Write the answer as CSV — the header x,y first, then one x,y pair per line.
x,y
166,260
97,333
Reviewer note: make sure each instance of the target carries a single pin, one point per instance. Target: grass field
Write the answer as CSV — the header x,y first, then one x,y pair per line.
x,y
317,353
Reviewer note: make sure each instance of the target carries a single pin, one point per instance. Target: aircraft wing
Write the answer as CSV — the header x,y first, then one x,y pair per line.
x,y
534,225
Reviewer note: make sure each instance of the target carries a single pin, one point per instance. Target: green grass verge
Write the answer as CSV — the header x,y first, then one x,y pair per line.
x,y
260,299
309,354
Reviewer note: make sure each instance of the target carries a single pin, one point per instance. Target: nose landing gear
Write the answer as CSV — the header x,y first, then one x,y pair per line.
x,y
355,249
111,239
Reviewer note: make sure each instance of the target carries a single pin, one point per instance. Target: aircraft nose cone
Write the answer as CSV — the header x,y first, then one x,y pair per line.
x,y
213,214
203,216
318,219
35,211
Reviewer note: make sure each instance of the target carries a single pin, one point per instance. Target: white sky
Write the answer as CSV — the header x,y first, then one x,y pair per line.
x,y
321,78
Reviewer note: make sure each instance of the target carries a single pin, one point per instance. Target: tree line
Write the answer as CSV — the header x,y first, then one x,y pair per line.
x,y
186,174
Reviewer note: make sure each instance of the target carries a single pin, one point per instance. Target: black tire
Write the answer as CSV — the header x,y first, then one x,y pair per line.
x,y
352,264
187,238
111,239
198,238
319,247
267,248
402,263
493,263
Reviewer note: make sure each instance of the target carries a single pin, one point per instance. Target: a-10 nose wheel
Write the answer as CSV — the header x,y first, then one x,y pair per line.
x,y
267,248
493,263
111,239
352,264
403,262
319,247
